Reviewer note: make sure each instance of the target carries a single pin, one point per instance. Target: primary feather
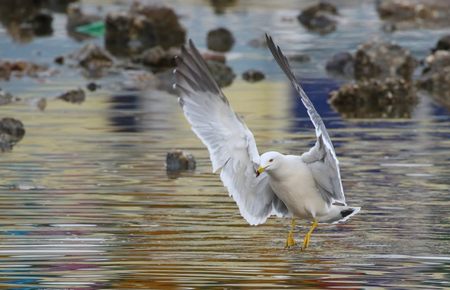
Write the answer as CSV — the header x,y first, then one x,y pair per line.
x,y
230,143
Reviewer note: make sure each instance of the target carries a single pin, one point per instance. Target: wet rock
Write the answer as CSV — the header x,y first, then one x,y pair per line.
x,y
299,58
5,98
220,39
259,42
435,77
157,58
381,60
214,57
20,68
141,28
388,98
222,73
11,132
76,18
410,14
93,57
179,160
40,23
73,96
341,63
253,76
59,60
319,18
443,43
128,34
220,6
41,104
92,86
25,19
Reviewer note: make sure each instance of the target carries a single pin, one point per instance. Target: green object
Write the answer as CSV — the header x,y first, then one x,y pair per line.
x,y
95,29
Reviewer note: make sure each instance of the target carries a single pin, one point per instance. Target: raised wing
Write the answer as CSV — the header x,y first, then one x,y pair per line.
x,y
321,158
230,143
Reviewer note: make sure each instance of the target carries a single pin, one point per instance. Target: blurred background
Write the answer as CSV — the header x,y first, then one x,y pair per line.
x,y
88,119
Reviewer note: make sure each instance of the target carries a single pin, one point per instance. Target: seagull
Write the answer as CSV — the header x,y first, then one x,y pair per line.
x,y
306,187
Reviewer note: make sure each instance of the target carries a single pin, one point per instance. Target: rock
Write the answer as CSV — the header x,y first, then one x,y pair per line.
x,y
25,19
443,43
381,60
92,86
222,73
76,18
220,6
41,104
11,132
20,68
341,63
318,18
73,96
435,76
143,27
59,60
388,98
157,58
299,57
167,28
414,13
5,98
93,57
128,34
179,160
253,76
220,39
41,23
259,42
219,57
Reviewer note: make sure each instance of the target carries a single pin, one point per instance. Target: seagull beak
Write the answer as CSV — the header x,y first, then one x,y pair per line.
x,y
259,171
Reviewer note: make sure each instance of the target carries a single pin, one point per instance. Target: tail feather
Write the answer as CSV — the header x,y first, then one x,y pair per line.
x,y
339,214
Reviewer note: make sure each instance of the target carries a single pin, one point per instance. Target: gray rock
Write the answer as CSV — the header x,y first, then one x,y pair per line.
x,y
220,39
157,58
435,77
253,76
388,98
411,14
318,18
5,98
443,43
73,96
177,160
93,58
41,23
11,132
141,28
341,63
381,60
222,73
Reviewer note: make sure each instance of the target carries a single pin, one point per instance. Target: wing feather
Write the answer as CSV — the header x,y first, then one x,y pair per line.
x,y
321,158
230,143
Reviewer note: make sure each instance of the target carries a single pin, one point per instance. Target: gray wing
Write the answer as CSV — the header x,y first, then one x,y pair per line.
x,y
230,143
321,158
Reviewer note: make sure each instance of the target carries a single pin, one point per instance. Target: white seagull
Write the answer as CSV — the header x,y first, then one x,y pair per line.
x,y
305,187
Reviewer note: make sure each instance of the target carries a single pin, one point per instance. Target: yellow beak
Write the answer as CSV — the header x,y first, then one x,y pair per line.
x,y
259,171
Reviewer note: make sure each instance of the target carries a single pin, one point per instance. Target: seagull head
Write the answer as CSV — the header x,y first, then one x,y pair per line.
x,y
269,161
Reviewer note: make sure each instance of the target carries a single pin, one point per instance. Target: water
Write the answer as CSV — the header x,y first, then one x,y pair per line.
x,y
86,203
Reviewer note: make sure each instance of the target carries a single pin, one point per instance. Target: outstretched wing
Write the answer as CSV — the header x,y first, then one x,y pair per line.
x,y
321,158
230,143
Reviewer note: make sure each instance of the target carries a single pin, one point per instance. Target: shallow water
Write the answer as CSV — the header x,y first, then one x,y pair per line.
x,y
86,203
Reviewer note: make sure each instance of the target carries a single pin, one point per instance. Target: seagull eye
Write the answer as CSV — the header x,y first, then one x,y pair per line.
x,y
271,160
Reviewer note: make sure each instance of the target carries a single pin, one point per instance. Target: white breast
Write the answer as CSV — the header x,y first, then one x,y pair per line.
x,y
293,183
